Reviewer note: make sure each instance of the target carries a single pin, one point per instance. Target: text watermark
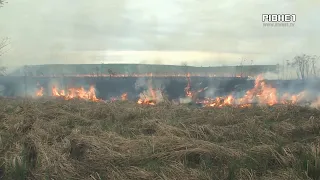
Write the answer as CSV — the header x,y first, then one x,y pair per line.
x,y
278,24
278,20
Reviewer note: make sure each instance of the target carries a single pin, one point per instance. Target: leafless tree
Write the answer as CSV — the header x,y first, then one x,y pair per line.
x,y
2,2
305,65
314,60
111,73
3,70
185,67
4,43
3,47
241,66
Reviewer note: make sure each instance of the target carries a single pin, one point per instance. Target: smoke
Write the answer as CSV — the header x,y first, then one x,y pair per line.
x,y
2,89
152,95
316,104
200,33
151,89
43,36
270,76
210,92
141,83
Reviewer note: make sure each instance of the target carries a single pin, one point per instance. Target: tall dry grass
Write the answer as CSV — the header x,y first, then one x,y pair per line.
x,y
56,139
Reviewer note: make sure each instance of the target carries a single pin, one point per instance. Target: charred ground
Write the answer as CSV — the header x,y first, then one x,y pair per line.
x,y
58,139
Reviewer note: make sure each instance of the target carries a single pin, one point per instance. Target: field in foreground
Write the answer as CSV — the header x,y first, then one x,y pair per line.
x,y
56,139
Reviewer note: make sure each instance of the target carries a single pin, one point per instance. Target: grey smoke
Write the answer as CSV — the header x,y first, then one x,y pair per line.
x,y
42,31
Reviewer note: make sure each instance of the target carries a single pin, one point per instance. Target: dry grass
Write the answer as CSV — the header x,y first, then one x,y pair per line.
x,y
56,139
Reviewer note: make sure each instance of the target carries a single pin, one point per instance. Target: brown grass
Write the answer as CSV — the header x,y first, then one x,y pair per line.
x,y
56,139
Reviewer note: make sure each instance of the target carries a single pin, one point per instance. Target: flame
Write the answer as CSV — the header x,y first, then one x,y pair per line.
x,y
146,101
39,93
187,89
73,93
150,97
261,93
124,96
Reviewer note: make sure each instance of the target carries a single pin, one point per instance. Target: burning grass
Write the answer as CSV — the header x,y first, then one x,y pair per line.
x,y
58,139
262,94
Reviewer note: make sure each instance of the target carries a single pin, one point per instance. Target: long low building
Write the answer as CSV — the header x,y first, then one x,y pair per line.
x,y
140,69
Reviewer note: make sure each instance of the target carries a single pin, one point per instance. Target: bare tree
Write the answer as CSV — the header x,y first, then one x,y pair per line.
x,y
3,70
2,2
241,66
111,73
4,43
305,65
314,60
287,69
3,47
185,67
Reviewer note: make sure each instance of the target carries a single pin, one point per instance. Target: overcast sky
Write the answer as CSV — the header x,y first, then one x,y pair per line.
x,y
201,32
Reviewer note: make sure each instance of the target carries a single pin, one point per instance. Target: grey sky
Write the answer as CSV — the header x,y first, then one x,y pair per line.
x,y
228,30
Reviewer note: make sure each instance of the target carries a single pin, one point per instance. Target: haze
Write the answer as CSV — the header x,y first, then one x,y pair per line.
x,y
199,32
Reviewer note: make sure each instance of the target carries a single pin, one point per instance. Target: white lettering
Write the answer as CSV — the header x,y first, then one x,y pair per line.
x,y
278,17
265,17
287,18
274,18
293,17
281,18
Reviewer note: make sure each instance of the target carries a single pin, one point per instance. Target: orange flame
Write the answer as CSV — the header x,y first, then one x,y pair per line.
x,y
146,101
261,93
187,89
40,92
124,96
73,93
149,97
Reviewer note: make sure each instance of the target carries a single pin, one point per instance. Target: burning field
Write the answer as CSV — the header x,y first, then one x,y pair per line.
x,y
261,94
75,139
72,134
